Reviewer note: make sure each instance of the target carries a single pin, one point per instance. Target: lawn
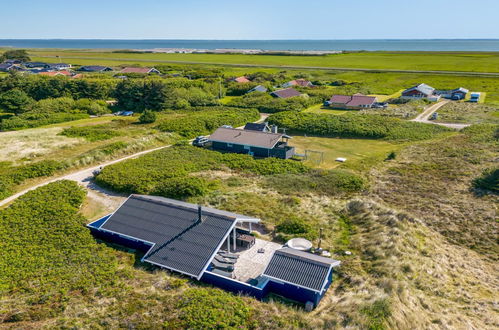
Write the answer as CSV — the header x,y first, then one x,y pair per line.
x,y
358,152
476,62
319,108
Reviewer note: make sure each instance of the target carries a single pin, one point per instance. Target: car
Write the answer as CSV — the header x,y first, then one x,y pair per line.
x,y
200,141
434,116
127,113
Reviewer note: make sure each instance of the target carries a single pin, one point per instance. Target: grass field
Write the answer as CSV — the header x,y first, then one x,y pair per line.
x,y
473,62
356,151
319,108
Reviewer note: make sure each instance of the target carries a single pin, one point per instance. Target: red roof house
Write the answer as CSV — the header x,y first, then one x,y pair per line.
x,y
242,79
299,82
356,101
56,73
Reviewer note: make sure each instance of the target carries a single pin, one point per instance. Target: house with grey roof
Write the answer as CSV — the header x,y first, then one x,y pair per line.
x,y
95,68
216,247
259,88
285,93
251,141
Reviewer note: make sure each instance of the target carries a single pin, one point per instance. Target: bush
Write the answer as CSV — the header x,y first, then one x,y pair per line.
x,y
46,250
91,133
15,101
147,117
30,120
489,180
10,176
376,314
205,120
181,188
268,104
163,171
294,226
355,125
200,308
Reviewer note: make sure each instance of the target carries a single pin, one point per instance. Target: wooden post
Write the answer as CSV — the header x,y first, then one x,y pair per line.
x,y
228,243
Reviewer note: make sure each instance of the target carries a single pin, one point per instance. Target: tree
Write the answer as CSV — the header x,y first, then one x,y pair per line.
x,y
147,117
16,54
15,101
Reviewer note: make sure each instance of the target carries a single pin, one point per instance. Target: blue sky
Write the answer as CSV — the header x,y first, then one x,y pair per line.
x,y
255,19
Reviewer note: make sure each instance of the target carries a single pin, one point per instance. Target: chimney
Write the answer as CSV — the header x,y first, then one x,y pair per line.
x,y
200,213
274,128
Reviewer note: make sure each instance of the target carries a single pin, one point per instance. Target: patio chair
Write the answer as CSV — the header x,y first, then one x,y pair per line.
x,y
222,266
228,255
225,260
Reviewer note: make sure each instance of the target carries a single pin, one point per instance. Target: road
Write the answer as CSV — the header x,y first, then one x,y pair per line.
x,y
425,115
124,60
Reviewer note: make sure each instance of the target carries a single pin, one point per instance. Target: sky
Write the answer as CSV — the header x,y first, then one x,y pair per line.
x,y
255,19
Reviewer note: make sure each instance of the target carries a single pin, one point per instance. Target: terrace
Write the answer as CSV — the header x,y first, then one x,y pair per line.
x,y
251,261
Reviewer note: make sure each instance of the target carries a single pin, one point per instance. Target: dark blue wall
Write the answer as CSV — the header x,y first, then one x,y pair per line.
x,y
234,286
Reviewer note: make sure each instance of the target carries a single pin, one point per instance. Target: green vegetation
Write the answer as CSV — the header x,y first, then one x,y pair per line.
x,y
45,248
15,54
167,172
268,104
376,314
468,113
489,180
476,62
147,117
205,120
11,176
30,120
354,125
91,133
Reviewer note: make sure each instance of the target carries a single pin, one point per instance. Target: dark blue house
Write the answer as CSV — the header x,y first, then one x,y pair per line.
x,y
214,246
259,143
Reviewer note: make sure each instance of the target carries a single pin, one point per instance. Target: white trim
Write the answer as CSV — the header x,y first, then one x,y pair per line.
x,y
243,144
218,248
234,280
279,280
126,200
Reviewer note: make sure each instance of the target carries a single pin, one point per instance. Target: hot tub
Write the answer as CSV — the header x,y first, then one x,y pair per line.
x,y
299,244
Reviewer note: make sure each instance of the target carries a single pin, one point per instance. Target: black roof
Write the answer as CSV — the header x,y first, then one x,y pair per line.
x,y
180,241
262,127
35,64
303,269
95,68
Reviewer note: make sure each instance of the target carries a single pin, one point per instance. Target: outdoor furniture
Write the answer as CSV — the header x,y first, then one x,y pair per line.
x,y
222,273
222,266
245,241
228,255
225,260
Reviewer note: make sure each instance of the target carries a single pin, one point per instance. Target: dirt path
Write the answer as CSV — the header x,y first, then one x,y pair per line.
x,y
425,115
83,177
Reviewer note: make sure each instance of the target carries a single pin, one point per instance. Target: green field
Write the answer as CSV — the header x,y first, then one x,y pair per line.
x,y
473,62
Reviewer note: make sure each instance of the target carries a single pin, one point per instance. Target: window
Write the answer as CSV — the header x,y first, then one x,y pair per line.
x,y
229,145
246,147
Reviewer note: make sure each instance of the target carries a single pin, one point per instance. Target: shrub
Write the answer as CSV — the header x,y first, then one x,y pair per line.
x,y
45,247
147,117
205,120
268,104
16,101
182,187
376,314
355,125
200,308
489,180
30,120
90,133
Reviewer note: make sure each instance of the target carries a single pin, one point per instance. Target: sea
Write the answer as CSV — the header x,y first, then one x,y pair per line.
x,y
483,45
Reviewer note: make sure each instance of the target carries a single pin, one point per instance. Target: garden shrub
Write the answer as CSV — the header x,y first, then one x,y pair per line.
x,y
266,103
182,187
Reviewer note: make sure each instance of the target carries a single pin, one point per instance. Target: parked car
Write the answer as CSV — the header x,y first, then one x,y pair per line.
x,y
434,116
200,141
127,113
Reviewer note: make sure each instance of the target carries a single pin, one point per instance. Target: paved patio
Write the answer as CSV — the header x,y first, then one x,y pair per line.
x,y
250,263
